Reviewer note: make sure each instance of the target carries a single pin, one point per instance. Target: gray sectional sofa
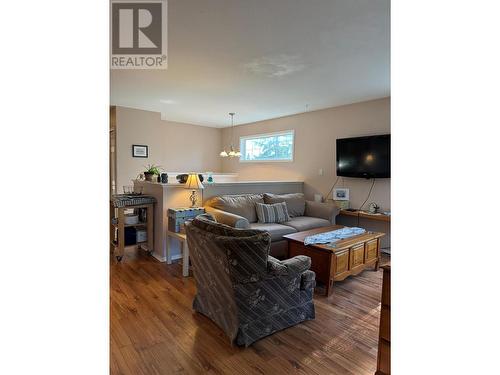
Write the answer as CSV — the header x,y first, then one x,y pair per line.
x,y
238,211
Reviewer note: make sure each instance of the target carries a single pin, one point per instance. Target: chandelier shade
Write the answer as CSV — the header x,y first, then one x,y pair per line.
x,y
233,153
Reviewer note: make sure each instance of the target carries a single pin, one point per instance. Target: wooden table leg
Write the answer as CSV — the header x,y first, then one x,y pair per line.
x,y
150,230
121,234
111,228
332,262
329,288
378,256
185,259
169,250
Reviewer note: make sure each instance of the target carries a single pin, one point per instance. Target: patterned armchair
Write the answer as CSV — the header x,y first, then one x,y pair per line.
x,y
246,292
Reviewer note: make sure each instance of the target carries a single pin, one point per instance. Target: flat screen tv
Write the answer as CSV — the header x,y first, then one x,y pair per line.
x,y
366,157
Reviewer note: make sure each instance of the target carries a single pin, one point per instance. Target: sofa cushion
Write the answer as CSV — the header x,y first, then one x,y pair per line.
x,y
272,213
302,223
242,205
322,210
295,202
277,231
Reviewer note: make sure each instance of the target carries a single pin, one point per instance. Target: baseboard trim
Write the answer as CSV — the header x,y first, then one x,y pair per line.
x,y
164,259
159,258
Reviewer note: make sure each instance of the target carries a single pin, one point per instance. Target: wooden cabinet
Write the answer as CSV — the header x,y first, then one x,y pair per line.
x,y
357,256
371,250
342,263
118,204
334,263
384,341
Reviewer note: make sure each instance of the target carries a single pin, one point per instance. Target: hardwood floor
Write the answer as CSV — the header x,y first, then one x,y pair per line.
x,y
155,331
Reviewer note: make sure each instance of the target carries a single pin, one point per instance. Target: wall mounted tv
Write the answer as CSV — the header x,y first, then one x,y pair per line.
x,y
366,157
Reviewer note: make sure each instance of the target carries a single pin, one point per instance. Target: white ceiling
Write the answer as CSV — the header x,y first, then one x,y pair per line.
x,y
263,59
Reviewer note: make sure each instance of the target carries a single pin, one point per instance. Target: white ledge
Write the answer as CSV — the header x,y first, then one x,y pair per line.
x,y
239,183
233,183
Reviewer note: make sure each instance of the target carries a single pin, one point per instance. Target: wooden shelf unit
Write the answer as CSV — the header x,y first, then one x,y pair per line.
x,y
366,215
131,225
117,240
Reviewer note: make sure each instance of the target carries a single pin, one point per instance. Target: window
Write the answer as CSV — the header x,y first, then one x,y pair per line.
x,y
267,147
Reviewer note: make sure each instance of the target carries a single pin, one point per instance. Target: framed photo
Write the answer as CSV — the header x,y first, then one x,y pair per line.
x,y
341,194
140,151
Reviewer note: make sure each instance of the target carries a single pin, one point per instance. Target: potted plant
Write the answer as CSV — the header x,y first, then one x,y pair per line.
x,y
151,170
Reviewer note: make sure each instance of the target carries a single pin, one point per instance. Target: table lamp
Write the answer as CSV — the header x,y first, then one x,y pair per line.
x,y
193,182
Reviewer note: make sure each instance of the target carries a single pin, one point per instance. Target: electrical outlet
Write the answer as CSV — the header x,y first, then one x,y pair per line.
x,y
320,172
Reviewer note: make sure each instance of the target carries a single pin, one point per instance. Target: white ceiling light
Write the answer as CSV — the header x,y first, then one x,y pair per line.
x,y
232,152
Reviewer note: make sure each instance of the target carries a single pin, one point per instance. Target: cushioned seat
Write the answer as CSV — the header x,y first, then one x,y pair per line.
x,y
301,223
275,230
242,289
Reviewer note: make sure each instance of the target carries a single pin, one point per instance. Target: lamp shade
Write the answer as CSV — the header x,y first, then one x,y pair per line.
x,y
193,182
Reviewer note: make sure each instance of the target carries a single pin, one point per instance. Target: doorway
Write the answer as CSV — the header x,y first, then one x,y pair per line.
x,y
112,150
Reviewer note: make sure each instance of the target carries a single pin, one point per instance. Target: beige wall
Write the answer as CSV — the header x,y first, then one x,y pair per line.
x,y
175,146
315,134
185,147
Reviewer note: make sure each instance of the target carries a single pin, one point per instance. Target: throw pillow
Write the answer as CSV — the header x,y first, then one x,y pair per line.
x,y
295,202
272,213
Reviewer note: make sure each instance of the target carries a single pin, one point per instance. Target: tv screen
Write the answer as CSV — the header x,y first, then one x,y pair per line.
x,y
367,157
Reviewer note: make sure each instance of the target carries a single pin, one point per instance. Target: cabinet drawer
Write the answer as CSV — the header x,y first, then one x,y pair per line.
x,y
357,254
342,263
371,250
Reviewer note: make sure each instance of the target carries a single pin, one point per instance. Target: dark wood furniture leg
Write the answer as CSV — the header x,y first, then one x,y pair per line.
x,y
377,264
329,288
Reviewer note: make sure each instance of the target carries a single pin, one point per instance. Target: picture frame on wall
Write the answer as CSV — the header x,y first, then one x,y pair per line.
x,y
341,194
140,151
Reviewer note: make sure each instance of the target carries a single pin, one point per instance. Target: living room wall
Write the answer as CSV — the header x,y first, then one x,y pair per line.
x,y
175,146
315,135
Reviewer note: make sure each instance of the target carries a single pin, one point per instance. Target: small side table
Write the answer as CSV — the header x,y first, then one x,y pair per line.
x,y
118,204
184,248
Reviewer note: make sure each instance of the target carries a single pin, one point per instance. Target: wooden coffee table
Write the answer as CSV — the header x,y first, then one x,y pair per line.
x,y
348,257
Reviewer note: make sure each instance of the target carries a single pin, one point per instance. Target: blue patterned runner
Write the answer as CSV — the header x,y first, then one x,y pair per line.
x,y
333,236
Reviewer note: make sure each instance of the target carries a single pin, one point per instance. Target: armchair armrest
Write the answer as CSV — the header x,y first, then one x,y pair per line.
x,y
228,218
321,210
308,280
298,265
292,266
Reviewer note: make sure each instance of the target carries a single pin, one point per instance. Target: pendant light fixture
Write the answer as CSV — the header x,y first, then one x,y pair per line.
x,y
232,152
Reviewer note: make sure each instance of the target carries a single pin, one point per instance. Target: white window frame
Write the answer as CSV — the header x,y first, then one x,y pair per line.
x,y
264,135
